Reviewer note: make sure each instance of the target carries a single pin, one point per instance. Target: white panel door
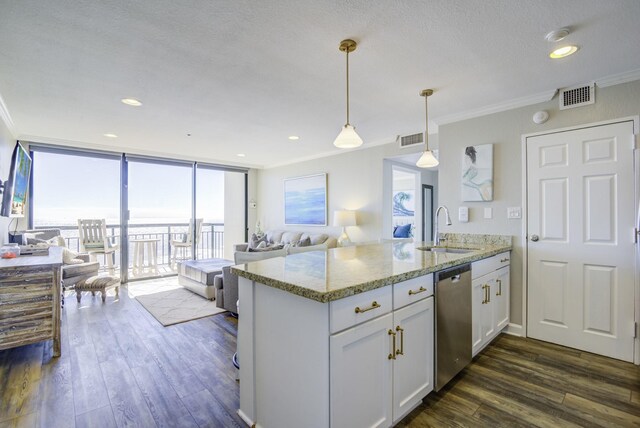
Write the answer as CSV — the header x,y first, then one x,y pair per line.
x,y
413,367
580,191
361,375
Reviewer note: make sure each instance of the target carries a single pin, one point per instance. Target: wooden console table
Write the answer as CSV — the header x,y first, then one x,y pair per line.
x,y
30,300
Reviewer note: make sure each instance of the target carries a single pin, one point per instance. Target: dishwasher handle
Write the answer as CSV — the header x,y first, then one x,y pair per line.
x,y
453,274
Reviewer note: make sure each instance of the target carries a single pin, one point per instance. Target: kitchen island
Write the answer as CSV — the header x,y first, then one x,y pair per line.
x,y
343,337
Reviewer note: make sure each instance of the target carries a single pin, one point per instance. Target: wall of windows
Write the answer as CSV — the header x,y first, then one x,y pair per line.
x,y
157,211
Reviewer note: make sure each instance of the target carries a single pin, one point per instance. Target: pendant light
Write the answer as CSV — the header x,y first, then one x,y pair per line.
x,y
427,160
347,138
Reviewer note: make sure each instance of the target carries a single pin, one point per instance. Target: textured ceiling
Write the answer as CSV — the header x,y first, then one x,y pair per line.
x,y
241,76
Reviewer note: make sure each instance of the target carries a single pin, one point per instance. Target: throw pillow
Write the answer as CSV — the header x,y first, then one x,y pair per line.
x,y
271,248
304,242
57,241
256,240
261,245
69,257
403,231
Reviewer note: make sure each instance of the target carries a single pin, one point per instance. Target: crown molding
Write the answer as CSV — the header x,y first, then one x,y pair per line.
x,y
497,108
6,117
617,79
330,153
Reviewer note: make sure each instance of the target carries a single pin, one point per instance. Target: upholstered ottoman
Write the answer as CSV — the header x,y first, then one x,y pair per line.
x,y
198,275
97,283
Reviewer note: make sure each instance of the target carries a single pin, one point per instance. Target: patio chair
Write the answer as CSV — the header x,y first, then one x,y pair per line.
x,y
93,239
182,243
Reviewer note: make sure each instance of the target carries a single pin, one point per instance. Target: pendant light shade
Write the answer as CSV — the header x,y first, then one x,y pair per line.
x,y
427,160
348,138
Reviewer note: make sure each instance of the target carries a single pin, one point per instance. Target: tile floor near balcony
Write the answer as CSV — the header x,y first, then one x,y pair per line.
x,y
119,367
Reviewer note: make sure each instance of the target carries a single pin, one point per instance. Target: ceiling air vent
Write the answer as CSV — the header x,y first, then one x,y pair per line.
x,y
411,140
577,96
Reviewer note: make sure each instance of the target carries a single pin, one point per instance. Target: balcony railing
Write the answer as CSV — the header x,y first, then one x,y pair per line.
x,y
210,243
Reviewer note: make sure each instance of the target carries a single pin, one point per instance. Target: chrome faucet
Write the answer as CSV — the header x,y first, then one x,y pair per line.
x,y
436,237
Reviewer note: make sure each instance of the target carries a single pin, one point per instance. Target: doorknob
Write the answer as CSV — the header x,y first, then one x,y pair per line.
x,y
535,238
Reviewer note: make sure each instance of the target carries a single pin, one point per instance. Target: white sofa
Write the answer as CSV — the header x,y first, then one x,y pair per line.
x,y
290,240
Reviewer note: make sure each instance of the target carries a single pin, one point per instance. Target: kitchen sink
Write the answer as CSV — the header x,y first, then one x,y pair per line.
x,y
452,250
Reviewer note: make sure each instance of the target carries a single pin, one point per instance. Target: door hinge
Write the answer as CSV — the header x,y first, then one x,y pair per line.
x,y
635,330
636,233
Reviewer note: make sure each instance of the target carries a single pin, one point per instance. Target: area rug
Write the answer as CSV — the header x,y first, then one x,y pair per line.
x,y
172,304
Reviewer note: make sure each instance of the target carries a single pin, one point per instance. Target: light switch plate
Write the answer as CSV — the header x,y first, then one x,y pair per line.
x,y
463,214
514,212
488,212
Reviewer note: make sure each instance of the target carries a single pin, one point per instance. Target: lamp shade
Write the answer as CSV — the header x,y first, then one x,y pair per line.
x,y
427,160
344,218
348,138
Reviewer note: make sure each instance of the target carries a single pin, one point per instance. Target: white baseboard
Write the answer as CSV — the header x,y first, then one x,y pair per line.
x,y
245,418
514,330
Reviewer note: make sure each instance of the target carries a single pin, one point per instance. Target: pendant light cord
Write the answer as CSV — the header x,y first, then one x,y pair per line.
x,y
347,86
426,128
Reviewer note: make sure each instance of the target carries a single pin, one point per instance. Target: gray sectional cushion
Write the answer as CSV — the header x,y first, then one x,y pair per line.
x,y
290,237
274,236
306,242
318,238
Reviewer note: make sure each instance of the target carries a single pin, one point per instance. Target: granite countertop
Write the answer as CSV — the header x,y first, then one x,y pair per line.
x,y
341,272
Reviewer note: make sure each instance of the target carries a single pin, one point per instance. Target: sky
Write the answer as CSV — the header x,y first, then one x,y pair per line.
x,y
67,187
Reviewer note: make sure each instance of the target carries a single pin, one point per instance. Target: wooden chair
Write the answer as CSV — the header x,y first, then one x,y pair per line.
x,y
184,244
92,235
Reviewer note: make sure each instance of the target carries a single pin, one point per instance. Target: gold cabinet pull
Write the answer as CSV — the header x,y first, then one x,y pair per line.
x,y
499,293
488,293
484,296
504,260
401,350
419,290
374,305
392,355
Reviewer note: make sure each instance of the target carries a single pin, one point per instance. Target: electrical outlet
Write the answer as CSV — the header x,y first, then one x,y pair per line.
x,y
514,212
463,214
488,212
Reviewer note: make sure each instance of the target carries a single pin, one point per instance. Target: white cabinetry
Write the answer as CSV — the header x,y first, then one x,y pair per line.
x,y
362,361
361,375
490,299
381,369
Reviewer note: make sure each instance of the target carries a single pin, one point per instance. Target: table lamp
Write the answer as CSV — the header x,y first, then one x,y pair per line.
x,y
344,218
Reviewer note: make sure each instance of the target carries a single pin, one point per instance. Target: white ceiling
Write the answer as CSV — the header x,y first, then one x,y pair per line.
x,y
241,76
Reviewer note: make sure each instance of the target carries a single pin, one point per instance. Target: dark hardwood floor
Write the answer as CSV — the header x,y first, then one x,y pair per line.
x,y
120,367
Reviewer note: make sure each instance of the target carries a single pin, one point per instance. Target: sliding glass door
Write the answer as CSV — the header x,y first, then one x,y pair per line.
x,y
160,198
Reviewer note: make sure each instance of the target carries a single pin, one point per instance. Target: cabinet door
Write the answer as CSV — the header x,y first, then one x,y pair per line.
x,y
477,309
482,318
413,367
501,296
361,375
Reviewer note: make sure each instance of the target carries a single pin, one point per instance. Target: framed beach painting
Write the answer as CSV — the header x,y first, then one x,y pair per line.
x,y
477,173
305,200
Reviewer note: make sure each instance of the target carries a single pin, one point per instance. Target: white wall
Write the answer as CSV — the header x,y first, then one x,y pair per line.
x,y
233,211
7,143
504,130
355,182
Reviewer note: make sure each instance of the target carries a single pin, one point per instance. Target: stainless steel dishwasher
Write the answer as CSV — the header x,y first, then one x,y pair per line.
x,y
453,322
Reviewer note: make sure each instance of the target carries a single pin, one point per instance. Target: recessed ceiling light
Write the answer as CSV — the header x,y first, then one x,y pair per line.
x,y
131,102
294,137
563,51
241,155
109,135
